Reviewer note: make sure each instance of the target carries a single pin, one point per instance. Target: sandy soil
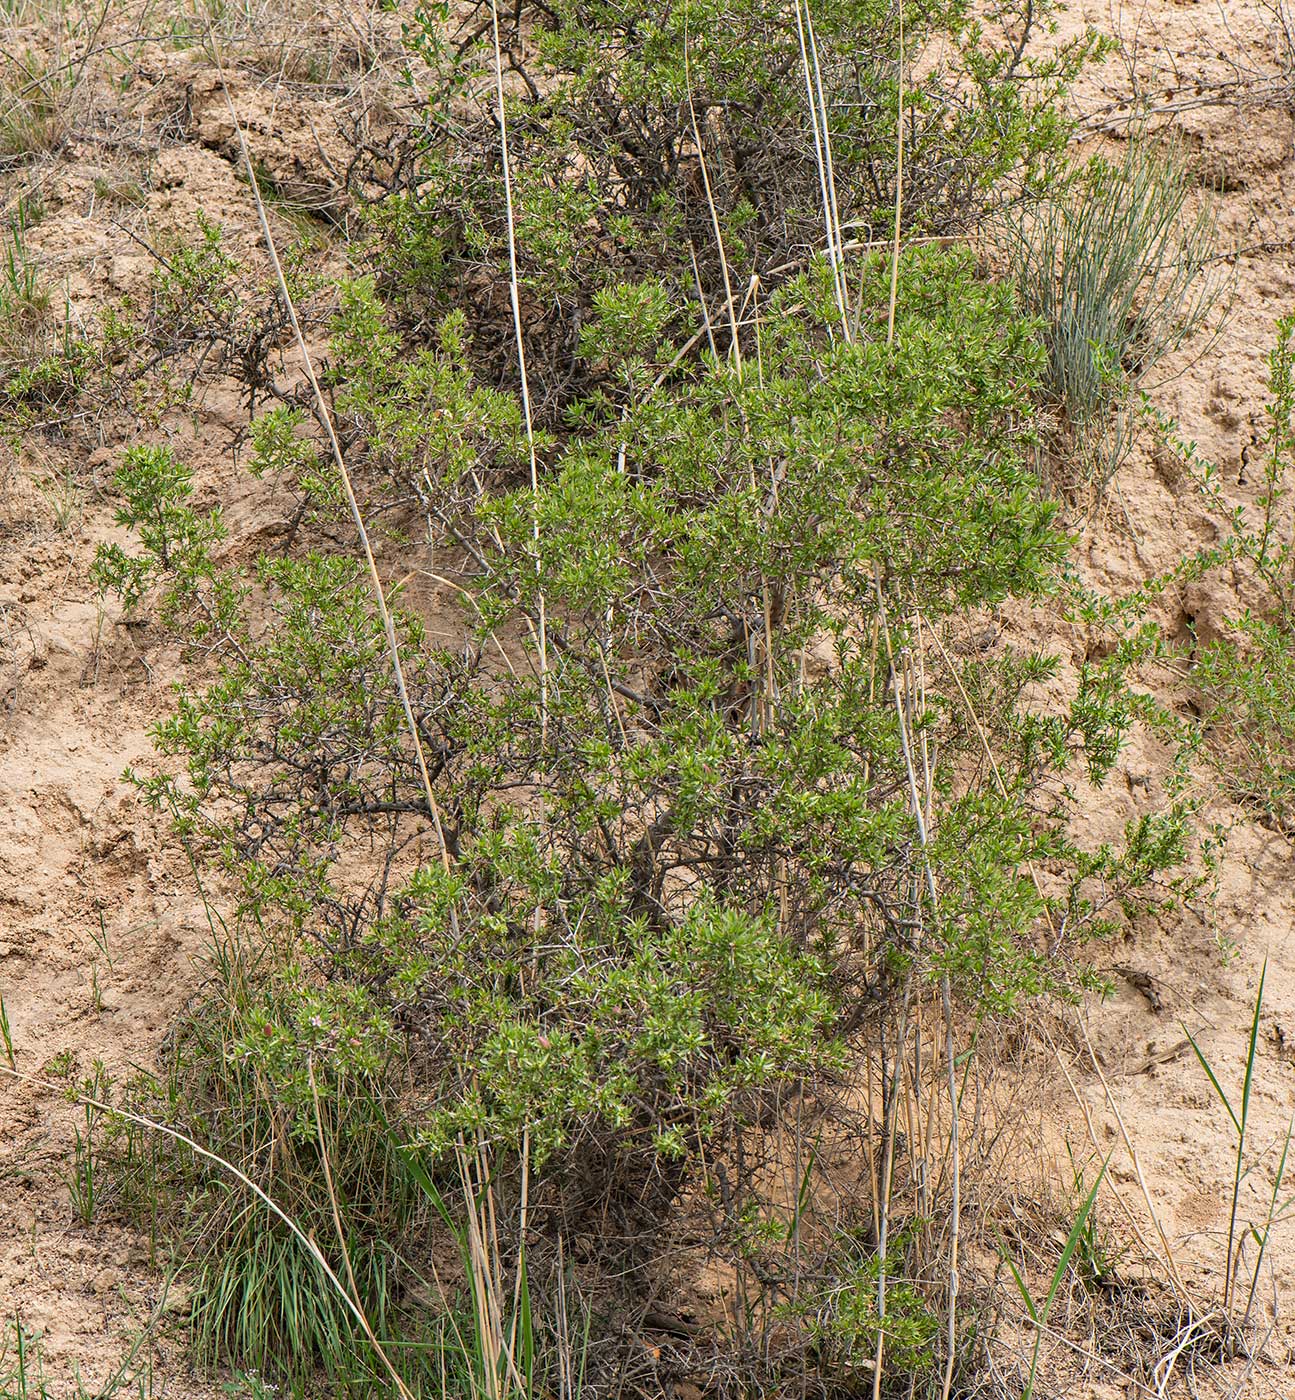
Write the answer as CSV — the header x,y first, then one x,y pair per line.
x,y
1215,73
100,935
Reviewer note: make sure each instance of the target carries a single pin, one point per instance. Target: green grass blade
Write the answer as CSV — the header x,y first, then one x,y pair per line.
x,y
1076,1233
1023,1289
1252,1049
1213,1078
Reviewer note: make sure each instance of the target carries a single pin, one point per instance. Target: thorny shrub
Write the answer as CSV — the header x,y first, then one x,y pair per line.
x,y
670,888
681,878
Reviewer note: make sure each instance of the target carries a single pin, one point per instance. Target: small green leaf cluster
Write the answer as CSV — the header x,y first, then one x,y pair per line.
x,y
283,451
846,1323
50,380
177,563
194,283
425,420
565,1015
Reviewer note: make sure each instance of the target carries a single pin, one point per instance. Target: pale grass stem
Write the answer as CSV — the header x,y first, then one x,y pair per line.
x,y
514,285
730,301
325,419
514,288
823,158
921,812
899,182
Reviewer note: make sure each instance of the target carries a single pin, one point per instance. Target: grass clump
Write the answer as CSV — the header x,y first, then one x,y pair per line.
x,y
44,364
1117,265
24,311
33,109
259,1300
23,300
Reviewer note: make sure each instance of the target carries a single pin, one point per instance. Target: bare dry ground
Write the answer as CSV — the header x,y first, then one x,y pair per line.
x,y
100,930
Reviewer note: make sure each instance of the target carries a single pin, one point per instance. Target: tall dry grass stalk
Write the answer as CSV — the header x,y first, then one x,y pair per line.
x,y
818,115
514,288
899,180
325,418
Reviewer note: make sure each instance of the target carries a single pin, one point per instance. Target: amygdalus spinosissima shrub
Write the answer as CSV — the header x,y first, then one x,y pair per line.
x,y
702,793
682,885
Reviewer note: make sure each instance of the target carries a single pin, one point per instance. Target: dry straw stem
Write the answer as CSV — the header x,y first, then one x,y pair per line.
x,y
496,1338
325,419
823,157
921,809
514,286
899,182
735,348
